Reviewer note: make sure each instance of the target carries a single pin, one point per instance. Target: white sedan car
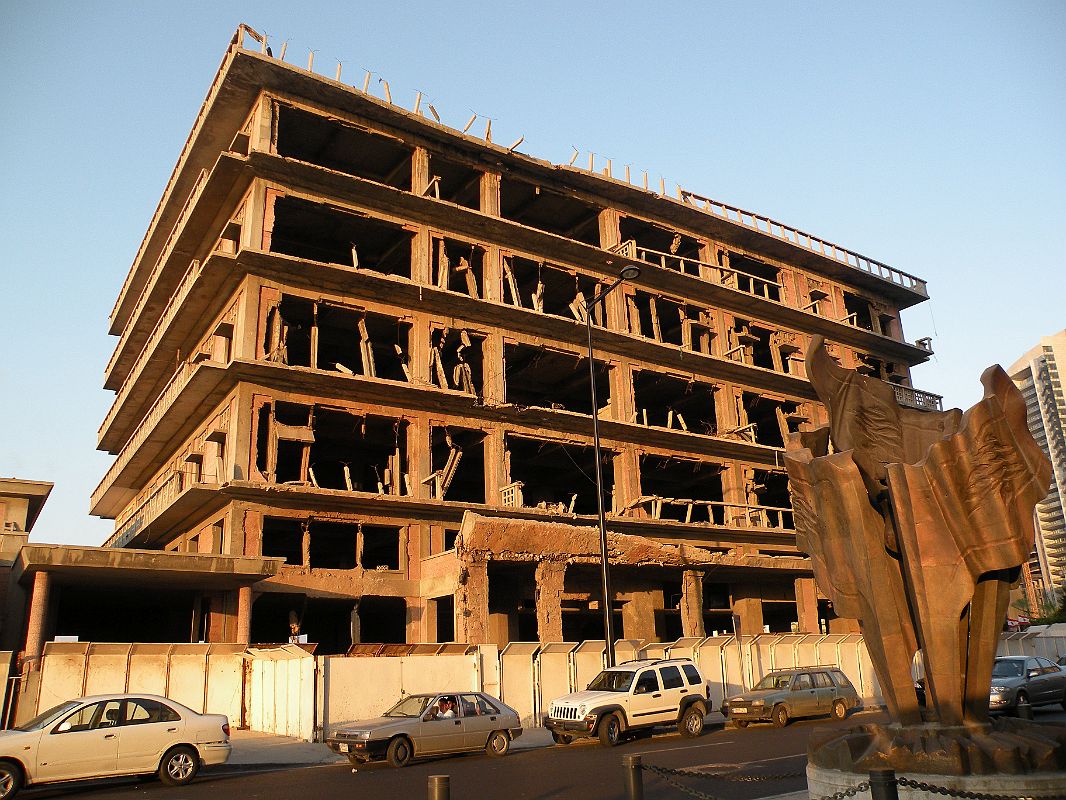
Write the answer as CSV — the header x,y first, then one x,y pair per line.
x,y
109,735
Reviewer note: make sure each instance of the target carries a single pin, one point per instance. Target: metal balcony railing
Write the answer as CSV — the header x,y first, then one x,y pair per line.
x,y
916,398
152,506
736,515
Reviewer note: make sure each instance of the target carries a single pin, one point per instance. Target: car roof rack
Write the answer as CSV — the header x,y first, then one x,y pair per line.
x,y
804,666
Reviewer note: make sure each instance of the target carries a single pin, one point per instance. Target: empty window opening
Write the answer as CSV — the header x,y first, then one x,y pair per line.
x,y
289,332
768,489
457,183
283,538
751,345
458,266
681,490
450,535
889,325
668,627
382,620
549,211
340,146
551,290
537,376
289,447
753,277
358,453
869,365
360,343
858,311
581,610
670,321
662,246
768,421
669,402
442,612
458,460
456,360
332,544
319,232
556,476
262,438
380,548
512,593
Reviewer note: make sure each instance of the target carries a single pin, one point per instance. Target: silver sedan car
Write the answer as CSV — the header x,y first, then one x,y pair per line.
x,y
430,724
1026,680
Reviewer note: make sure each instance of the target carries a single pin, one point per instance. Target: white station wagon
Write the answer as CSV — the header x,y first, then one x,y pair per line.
x,y
110,735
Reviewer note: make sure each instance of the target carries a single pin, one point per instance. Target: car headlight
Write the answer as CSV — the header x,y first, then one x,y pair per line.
x,y
356,734
581,709
758,703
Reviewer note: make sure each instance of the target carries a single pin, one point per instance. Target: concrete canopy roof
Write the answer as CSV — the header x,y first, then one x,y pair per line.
x,y
120,567
36,492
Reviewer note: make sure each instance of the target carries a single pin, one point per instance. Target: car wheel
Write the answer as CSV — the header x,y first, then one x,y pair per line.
x,y
1021,700
561,738
780,716
10,780
610,730
840,709
691,724
399,752
499,744
741,723
179,766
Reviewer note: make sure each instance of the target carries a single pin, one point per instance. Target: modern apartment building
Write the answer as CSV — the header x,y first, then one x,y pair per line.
x,y
1038,374
354,338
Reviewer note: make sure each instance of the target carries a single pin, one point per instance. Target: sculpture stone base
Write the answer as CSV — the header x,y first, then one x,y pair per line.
x,y
822,783
998,748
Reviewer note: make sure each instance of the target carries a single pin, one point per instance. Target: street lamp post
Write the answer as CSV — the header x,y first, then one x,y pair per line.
x,y
628,273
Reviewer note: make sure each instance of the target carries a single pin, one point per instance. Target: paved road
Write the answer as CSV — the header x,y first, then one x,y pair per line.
x,y
582,770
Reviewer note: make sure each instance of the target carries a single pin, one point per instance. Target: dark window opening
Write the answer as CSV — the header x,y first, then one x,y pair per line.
x,y
444,617
291,460
512,592
458,463
383,620
551,290
319,232
858,311
889,325
668,626
769,490
755,344
772,419
457,183
358,453
869,365
262,438
288,332
549,211
779,616
690,491
283,538
450,535
581,610
753,277
112,614
458,266
381,547
669,402
537,376
354,342
343,147
456,360
332,544
715,596
557,476
658,245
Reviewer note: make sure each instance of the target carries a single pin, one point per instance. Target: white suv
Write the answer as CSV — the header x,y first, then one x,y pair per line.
x,y
636,695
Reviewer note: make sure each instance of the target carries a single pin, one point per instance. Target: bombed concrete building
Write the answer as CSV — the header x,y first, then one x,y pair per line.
x,y
354,338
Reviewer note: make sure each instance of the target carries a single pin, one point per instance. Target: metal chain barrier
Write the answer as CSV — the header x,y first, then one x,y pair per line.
x,y
932,788
854,790
724,776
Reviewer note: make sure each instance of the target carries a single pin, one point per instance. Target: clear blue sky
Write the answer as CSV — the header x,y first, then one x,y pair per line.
x,y
931,136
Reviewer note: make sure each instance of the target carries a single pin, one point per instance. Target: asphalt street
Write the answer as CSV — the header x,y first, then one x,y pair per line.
x,y
581,770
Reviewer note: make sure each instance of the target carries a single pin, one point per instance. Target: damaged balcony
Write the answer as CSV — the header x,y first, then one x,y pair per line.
x,y
458,461
759,346
554,475
330,235
304,333
549,289
673,488
545,378
341,146
320,544
666,401
541,208
454,182
655,244
670,322
765,421
331,448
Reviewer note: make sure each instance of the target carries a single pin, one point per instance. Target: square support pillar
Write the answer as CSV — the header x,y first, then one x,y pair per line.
x,y
244,615
38,616
549,575
692,603
472,601
807,605
747,604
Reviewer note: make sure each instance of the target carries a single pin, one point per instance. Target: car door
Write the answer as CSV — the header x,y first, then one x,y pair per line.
x,y
84,744
646,699
479,720
825,691
674,689
439,734
148,728
1051,683
803,697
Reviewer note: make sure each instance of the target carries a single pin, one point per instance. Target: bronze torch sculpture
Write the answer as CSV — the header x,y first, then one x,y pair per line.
x,y
917,524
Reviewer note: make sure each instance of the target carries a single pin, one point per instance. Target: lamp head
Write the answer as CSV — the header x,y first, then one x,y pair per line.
x,y
629,273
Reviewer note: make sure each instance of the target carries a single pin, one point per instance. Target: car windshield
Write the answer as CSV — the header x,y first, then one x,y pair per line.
x,y
774,682
612,681
409,707
1007,668
48,717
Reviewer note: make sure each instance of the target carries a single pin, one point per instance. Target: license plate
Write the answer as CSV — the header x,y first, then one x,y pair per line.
x,y
739,710
342,748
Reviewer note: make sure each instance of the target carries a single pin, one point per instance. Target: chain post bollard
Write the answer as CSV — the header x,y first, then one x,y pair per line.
x,y
438,788
634,777
883,784
1025,710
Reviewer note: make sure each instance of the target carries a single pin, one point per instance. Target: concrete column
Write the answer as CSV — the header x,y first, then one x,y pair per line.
x,y
638,614
550,576
244,615
472,601
38,616
692,603
807,605
747,604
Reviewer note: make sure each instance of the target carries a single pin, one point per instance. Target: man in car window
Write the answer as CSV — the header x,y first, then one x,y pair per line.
x,y
447,708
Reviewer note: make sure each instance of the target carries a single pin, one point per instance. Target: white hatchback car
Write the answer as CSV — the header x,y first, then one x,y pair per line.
x,y
109,735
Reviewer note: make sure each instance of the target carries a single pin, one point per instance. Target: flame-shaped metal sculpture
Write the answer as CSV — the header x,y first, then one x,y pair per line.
x,y
917,523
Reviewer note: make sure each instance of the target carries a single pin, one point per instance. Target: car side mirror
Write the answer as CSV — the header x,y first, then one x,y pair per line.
x,y
63,727
1033,673
640,690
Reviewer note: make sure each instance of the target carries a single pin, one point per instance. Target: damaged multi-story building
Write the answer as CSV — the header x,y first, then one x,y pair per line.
x,y
354,338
